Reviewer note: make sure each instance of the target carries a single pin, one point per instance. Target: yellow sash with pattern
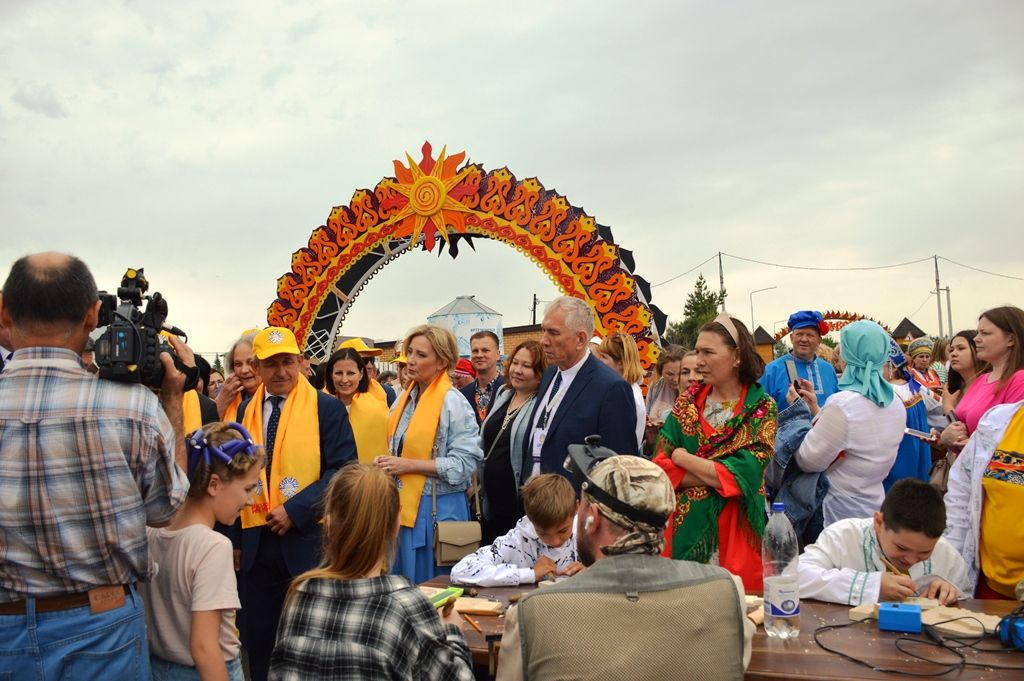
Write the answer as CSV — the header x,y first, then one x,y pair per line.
x,y
191,414
296,460
418,441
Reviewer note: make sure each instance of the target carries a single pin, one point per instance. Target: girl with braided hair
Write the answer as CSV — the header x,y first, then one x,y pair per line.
x,y
191,602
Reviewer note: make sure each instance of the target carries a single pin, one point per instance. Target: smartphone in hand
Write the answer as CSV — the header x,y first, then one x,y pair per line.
x,y
794,377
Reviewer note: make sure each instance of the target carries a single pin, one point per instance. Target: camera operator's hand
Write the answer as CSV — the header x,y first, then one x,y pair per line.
x,y
184,352
171,391
173,385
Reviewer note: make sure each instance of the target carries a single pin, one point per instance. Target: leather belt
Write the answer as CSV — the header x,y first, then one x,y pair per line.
x,y
51,603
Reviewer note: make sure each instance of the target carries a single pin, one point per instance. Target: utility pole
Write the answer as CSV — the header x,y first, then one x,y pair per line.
x,y
721,281
938,294
949,313
534,308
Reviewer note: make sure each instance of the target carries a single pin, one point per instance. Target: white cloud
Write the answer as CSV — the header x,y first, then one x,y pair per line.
x,y
206,141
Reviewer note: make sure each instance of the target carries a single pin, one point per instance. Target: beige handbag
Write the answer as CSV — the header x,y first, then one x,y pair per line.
x,y
453,539
939,474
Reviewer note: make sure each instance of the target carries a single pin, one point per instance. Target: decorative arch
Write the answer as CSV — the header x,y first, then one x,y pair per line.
x,y
836,320
444,198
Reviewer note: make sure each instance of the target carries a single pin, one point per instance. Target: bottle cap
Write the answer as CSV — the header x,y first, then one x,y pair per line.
x,y
778,507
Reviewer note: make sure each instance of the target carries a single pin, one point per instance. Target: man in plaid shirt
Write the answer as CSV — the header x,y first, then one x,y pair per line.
x,y
85,465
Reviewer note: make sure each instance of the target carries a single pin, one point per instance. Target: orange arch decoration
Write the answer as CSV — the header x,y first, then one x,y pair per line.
x,y
836,320
442,198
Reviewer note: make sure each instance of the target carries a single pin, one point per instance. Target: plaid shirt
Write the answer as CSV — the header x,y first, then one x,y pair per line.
x,y
380,628
85,465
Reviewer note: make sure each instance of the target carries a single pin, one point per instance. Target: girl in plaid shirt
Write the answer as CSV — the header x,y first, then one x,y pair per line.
x,y
347,619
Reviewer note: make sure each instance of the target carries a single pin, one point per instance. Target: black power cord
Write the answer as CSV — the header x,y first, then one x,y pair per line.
x,y
950,644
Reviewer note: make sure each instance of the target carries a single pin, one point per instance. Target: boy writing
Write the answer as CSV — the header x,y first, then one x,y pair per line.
x,y
896,554
541,545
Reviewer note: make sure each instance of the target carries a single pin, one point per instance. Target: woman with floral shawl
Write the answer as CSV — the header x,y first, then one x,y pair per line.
x,y
714,447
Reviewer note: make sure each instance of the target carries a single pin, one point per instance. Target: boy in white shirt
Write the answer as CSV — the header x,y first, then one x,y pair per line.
x,y
541,545
897,554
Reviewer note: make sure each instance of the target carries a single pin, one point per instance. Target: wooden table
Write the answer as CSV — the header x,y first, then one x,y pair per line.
x,y
802,658
484,645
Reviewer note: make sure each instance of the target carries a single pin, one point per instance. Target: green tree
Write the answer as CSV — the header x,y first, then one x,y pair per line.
x,y
825,340
701,307
217,366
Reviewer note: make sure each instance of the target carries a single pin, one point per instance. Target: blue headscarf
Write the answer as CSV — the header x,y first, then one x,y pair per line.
x,y
899,362
865,348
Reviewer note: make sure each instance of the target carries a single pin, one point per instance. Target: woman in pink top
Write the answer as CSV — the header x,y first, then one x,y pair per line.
x,y
998,342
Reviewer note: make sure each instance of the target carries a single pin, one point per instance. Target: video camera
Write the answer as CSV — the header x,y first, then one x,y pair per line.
x,y
129,349
579,461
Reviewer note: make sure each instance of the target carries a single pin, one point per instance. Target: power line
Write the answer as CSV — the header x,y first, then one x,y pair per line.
x,y
687,271
927,298
826,269
978,269
839,269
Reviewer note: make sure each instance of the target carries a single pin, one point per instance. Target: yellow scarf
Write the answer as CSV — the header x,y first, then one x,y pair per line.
x,y
368,416
192,416
296,462
377,390
231,411
418,441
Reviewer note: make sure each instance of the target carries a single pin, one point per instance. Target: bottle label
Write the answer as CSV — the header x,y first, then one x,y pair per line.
x,y
782,597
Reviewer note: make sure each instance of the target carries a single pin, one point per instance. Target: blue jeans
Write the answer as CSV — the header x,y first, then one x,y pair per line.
x,y
163,670
75,644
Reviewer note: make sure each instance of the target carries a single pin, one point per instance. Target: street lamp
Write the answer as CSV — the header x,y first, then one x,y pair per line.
x,y
767,288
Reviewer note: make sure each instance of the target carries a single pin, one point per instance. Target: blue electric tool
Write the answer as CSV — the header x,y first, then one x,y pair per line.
x,y
899,617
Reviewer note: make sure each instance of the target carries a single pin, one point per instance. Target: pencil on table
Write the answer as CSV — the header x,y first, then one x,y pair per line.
x,y
473,623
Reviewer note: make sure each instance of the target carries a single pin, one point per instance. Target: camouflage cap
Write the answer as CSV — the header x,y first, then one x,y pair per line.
x,y
635,481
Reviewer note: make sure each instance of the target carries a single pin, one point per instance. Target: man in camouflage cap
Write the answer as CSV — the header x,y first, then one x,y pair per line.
x,y
612,621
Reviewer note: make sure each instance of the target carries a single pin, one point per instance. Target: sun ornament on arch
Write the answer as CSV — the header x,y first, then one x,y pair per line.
x,y
431,192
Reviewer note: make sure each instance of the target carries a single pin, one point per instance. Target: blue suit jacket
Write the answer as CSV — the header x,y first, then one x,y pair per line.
x,y
598,402
301,545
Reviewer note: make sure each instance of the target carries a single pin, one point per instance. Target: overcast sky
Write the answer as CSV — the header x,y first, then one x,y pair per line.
x,y
204,141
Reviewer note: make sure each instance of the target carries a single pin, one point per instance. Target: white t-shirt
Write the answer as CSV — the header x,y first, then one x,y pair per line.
x,y
868,437
195,572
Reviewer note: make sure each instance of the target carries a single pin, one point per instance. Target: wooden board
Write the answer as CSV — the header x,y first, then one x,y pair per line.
x,y
470,606
972,624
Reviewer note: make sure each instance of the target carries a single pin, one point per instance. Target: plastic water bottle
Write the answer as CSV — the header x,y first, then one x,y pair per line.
x,y
780,554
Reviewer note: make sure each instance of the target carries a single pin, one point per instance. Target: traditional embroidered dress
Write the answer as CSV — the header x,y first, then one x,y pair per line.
x,y
1002,535
727,522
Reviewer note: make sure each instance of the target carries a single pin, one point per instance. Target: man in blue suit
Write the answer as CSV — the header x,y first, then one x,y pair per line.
x,y
307,437
578,396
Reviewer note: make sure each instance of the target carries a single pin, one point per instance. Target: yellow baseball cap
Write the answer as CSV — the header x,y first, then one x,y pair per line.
x,y
274,340
362,348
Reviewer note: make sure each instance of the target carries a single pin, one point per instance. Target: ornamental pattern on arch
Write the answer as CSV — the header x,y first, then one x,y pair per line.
x,y
445,199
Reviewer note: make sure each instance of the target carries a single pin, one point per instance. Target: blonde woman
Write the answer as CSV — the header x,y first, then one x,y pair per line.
x,y
433,449
349,619
619,352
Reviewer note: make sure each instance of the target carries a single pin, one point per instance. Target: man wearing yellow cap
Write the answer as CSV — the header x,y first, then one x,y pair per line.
x,y
369,354
307,438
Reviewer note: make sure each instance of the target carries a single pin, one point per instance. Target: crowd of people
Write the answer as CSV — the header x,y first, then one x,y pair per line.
x,y
274,522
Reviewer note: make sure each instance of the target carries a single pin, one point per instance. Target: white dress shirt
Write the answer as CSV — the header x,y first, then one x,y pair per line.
x,y
550,403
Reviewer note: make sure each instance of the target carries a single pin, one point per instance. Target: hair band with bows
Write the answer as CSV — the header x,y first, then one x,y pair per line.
x,y
201,450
